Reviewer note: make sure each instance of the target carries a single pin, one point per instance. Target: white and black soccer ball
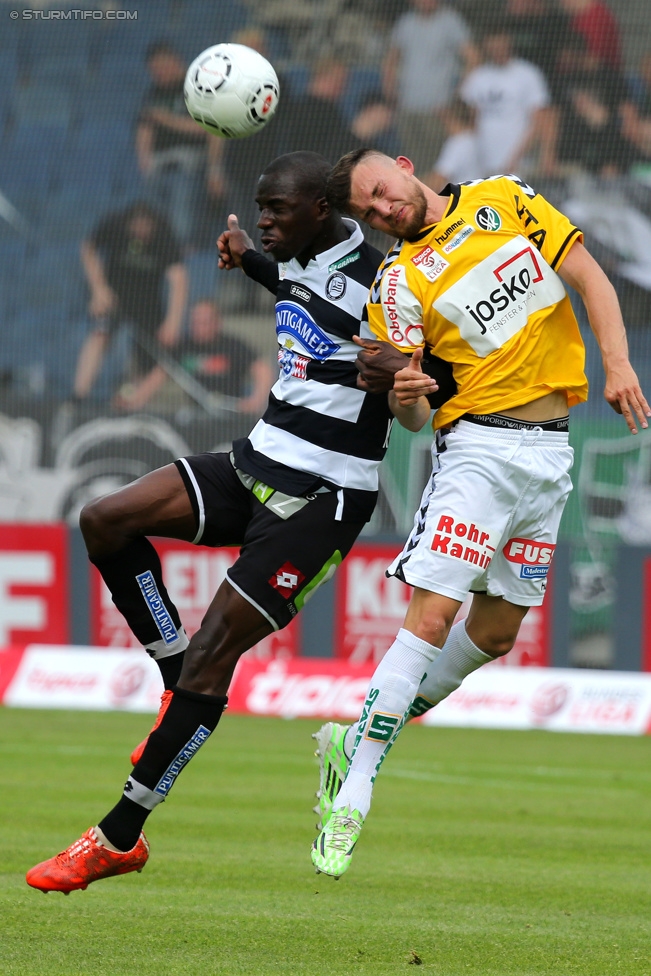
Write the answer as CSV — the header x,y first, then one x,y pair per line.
x,y
231,90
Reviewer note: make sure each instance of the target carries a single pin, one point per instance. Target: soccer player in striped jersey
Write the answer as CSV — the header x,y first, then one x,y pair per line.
x,y
294,495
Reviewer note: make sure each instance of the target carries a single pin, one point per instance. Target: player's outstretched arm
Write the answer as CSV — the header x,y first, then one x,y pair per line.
x,y
378,362
622,389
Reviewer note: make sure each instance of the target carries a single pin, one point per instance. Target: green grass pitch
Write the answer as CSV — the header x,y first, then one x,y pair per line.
x,y
486,854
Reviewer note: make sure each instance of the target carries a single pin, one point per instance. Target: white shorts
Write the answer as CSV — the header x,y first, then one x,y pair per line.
x,y
489,516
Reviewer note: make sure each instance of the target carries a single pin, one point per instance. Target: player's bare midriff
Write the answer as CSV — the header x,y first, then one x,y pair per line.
x,y
548,407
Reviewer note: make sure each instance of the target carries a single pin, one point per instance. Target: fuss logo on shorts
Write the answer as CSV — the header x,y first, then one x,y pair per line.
x,y
287,579
382,726
463,540
534,558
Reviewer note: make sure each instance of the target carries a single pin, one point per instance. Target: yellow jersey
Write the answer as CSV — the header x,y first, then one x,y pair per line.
x,y
480,290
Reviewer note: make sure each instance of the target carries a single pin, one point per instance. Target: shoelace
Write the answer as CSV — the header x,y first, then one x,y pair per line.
x,y
80,846
340,829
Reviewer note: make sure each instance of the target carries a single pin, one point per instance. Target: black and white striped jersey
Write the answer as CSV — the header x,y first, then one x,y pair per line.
x,y
319,429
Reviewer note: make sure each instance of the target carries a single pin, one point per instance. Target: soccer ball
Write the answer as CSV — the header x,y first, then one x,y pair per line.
x,y
231,90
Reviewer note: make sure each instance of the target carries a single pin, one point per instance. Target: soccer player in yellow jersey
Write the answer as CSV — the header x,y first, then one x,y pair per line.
x,y
477,275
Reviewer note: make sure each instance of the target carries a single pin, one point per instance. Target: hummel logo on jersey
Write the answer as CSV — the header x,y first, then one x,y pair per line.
x,y
448,230
381,726
287,579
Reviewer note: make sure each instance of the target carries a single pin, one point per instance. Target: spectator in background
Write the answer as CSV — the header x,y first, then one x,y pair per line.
x,y
540,32
172,149
430,49
636,110
222,363
316,122
459,157
128,260
597,25
235,163
591,134
511,99
374,124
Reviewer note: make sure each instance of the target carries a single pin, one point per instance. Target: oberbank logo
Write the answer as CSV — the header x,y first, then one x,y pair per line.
x,y
295,327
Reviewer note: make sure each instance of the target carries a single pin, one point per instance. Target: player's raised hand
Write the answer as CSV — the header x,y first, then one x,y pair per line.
x,y
411,383
232,244
624,394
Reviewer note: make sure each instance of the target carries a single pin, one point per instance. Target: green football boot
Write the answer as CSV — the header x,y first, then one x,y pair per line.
x,y
333,848
333,765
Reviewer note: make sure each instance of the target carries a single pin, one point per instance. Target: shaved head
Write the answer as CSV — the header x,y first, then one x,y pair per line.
x,y
303,172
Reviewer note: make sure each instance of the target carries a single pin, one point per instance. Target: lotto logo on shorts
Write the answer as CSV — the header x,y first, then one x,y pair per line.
x,y
465,541
286,579
534,558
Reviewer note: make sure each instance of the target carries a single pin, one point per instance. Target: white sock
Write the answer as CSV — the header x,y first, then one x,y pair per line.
x,y
101,839
159,649
391,692
458,658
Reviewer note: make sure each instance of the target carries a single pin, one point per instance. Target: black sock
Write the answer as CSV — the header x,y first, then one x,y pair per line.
x,y
170,669
135,578
187,723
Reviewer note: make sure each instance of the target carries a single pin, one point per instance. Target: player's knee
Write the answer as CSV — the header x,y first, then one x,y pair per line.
x,y
101,525
498,645
433,627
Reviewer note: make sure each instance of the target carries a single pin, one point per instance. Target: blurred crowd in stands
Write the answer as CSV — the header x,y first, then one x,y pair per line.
x,y
111,197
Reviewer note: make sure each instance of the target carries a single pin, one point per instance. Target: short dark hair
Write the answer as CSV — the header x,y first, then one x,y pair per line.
x,y
338,186
309,171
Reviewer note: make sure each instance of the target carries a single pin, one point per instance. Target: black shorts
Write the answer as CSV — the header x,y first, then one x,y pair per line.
x,y
289,545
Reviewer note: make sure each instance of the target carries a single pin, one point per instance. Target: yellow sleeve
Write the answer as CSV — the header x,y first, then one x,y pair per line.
x,y
396,316
545,226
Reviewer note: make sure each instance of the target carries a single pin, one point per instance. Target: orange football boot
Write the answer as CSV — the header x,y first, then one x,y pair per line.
x,y
165,700
86,861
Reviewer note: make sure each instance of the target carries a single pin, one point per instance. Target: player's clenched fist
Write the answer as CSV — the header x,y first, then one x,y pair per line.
x,y
232,244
